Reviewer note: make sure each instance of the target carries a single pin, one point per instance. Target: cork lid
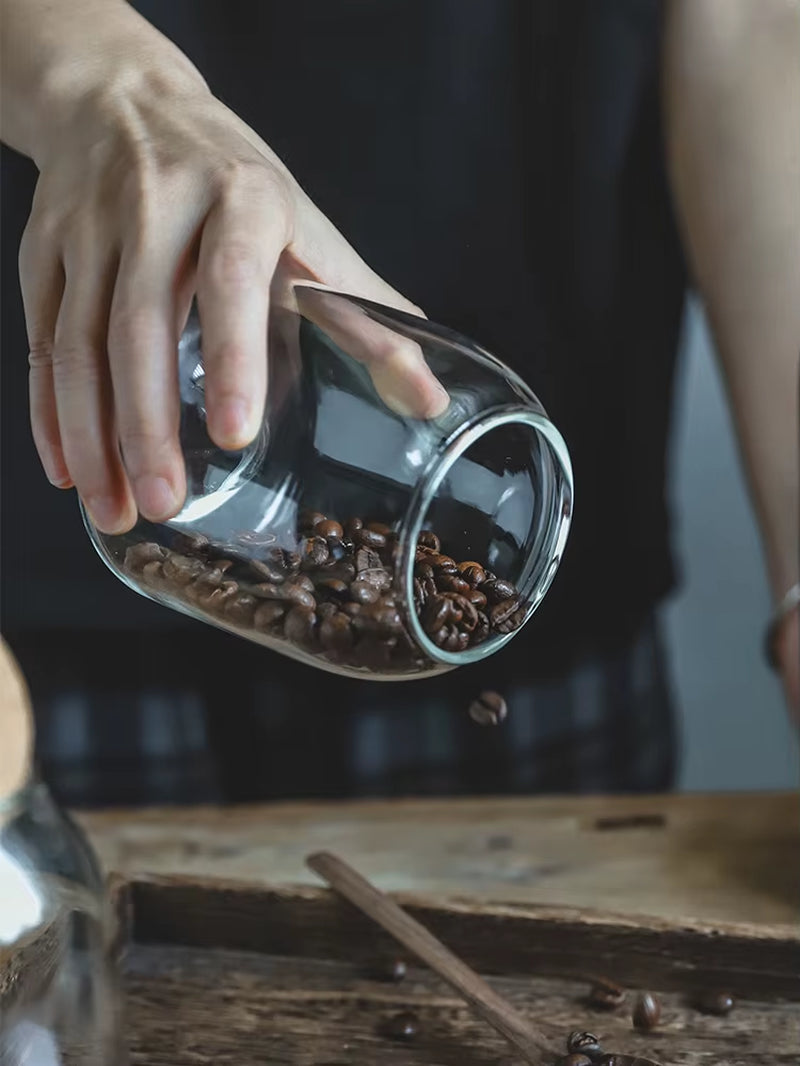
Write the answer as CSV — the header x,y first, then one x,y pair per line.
x,y
16,726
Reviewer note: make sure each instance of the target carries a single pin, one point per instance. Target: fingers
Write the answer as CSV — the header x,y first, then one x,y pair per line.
x,y
396,363
42,282
242,241
142,351
82,385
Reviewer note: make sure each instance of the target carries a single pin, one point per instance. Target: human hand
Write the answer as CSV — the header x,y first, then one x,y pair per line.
x,y
151,193
787,657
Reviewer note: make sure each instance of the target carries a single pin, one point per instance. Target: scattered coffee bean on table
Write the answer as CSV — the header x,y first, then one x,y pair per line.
x,y
713,1001
580,1042
334,596
606,994
389,970
488,709
403,1026
646,1012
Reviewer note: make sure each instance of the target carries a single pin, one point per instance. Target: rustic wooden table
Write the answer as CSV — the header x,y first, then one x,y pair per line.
x,y
236,959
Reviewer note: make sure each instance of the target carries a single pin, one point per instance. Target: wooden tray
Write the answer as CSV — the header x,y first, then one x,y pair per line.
x,y
229,973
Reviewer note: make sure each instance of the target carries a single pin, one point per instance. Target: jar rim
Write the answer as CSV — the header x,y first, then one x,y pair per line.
x,y
465,437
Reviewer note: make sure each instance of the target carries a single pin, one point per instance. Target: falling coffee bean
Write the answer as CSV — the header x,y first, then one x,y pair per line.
x,y
714,1001
606,994
580,1042
403,1026
488,709
646,1012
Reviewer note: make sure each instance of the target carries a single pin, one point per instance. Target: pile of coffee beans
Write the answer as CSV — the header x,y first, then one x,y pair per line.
x,y
584,1049
333,593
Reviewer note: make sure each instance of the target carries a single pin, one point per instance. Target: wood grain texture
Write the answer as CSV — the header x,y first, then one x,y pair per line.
x,y
714,858
197,1007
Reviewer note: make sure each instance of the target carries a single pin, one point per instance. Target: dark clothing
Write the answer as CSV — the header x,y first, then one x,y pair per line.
x,y
499,162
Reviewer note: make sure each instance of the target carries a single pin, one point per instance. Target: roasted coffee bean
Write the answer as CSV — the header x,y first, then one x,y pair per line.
x,y
367,559
490,709
364,592
268,613
330,530
327,610
646,1012
220,597
269,572
369,538
138,555
438,612
396,970
424,571
583,1043
303,581
477,598
498,590
307,520
336,633
468,614
380,527
463,641
265,590
452,643
502,611
182,569
452,583
300,626
379,618
352,608
404,1026
443,564
423,555
713,1001
314,552
153,572
377,576
352,526
606,994
221,564
481,631
293,592
332,586
191,544
428,539
490,576
574,1060
472,572
241,608
439,636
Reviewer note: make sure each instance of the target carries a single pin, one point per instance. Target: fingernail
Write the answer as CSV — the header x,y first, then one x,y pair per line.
x,y
104,512
155,497
233,422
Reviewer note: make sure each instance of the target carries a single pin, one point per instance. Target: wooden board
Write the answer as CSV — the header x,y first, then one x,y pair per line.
x,y
716,858
226,973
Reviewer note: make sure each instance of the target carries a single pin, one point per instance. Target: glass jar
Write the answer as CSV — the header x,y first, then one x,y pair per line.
x,y
60,1002
349,534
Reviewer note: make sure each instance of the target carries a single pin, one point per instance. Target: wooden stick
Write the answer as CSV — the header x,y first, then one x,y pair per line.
x,y
495,1010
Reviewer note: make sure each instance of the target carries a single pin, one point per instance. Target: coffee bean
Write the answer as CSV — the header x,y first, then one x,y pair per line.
x,y
477,598
314,552
606,995
295,593
222,564
580,1042
303,581
367,559
241,608
380,527
452,642
443,564
439,636
646,1012
327,610
299,626
268,613
369,538
481,631
451,583
437,614
352,526
379,618
308,520
138,555
153,573
502,611
268,572
574,1060
336,633
376,576
332,586
713,1001
330,530
498,590
489,709
364,592
182,569
352,608
220,597
467,611
191,544
404,1026
428,539
473,573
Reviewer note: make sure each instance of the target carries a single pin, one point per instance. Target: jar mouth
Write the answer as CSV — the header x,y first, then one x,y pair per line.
x,y
538,558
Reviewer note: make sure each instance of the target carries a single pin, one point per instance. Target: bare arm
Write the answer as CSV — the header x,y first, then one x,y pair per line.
x,y
732,100
152,191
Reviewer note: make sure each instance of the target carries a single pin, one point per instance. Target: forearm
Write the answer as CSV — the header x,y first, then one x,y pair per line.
x,y
732,101
56,52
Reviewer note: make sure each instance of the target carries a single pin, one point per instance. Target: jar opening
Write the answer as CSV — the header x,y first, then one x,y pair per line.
x,y
500,497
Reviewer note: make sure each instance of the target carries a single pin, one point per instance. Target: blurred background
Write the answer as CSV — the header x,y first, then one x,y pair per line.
x,y
639,683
